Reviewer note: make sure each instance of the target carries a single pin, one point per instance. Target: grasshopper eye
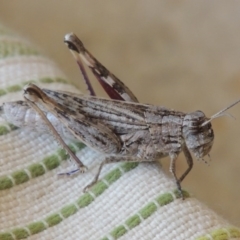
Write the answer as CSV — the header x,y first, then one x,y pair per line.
x,y
198,138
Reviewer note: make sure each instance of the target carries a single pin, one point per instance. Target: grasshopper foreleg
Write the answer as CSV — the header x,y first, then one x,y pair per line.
x,y
189,160
172,170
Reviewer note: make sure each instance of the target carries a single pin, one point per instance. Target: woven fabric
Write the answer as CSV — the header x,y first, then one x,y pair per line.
x,y
131,201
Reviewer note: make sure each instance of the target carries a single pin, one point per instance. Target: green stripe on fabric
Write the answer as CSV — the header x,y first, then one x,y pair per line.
x,y
177,194
111,177
66,211
52,80
118,232
20,233
14,88
5,183
13,47
19,87
53,219
143,213
69,210
36,227
2,92
37,169
7,128
148,210
164,199
222,234
52,162
234,232
20,177
99,188
6,236
133,221
85,200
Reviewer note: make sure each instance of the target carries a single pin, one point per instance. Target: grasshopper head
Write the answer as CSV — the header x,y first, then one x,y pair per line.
x,y
198,136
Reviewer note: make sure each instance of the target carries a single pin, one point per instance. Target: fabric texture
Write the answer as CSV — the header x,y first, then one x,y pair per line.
x,y
130,201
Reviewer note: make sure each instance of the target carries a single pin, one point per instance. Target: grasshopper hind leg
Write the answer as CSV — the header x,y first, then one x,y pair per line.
x,y
113,86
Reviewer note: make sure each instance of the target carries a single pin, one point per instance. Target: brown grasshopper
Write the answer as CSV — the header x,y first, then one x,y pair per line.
x,y
120,127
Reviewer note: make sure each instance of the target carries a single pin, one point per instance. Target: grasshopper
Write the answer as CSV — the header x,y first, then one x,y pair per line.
x,y
120,127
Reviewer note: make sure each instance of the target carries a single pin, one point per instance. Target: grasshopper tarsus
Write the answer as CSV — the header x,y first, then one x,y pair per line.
x,y
87,188
95,180
179,189
83,169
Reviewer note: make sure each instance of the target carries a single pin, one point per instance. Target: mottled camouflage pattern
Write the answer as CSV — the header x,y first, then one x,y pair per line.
x,y
120,128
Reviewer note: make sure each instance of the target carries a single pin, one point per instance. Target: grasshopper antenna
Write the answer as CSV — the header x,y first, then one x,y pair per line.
x,y
221,113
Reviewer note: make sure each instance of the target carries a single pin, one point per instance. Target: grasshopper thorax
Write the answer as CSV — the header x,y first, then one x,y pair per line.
x,y
198,137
